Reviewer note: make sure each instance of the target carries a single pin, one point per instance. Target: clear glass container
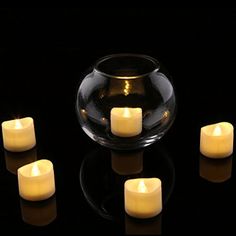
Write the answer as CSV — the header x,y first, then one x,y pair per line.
x,y
126,101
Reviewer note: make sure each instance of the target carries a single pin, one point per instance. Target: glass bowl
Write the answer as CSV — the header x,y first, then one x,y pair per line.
x,y
126,101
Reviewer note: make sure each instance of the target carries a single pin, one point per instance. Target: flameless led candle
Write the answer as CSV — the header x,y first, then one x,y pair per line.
x,y
143,197
36,180
18,135
216,140
126,121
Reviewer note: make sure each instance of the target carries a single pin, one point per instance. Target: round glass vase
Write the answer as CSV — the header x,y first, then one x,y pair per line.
x,y
126,102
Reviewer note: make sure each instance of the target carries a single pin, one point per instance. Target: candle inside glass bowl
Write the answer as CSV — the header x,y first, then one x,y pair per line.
x,y
126,121
126,101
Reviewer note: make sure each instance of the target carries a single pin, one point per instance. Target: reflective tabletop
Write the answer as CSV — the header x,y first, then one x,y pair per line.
x,y
46,55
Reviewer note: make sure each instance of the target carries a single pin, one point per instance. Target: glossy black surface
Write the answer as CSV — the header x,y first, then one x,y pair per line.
x,y
43,54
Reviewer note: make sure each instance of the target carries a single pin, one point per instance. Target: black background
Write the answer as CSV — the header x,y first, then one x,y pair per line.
x,y
45,52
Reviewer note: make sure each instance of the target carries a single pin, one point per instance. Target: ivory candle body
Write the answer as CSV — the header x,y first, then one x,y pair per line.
x,y
126,121
143,197
18,135
36,180
216,140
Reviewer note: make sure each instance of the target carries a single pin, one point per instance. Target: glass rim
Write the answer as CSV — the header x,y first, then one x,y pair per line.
x,y
154,63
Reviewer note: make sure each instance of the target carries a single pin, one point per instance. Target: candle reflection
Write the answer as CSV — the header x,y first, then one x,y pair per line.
x,y
127,163
143,227
84,114
39,213
215,170
16,160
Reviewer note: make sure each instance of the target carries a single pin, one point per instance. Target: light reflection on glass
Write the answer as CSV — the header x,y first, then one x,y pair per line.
x,y
143,227
127,88
40,213
127,163
16,160
215,170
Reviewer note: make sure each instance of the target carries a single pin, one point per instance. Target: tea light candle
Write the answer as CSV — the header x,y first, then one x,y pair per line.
x,y
126,121
36,180
216,140
143,197
18,135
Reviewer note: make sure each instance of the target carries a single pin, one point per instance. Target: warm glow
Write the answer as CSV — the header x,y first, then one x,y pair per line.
x,y
127,88
126,112
166,114
35,170
126,77
18,124
83,111
142,187
217,131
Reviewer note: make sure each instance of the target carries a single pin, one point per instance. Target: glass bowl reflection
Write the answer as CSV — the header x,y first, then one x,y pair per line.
x,y
103,186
